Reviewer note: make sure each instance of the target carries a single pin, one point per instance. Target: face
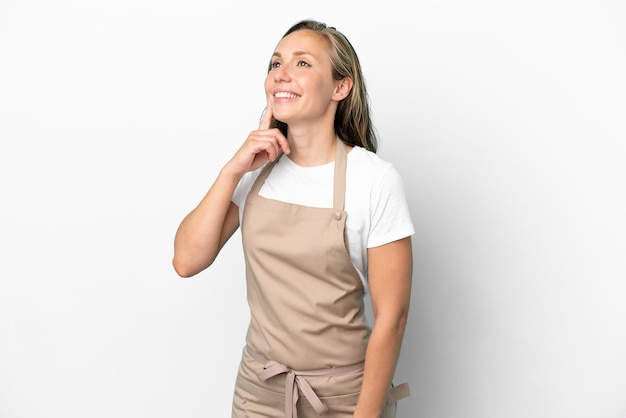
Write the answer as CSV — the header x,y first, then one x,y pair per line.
x,y
300,83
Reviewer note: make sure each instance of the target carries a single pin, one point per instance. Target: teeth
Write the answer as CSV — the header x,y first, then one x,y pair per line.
x,y
285,95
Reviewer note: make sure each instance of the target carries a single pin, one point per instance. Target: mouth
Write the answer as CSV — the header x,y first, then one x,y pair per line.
x,y
285,95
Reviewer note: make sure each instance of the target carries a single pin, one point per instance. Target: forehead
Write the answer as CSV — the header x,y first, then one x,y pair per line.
x,y
303,41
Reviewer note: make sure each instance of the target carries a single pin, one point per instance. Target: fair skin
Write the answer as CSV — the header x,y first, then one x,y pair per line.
x,y
302,93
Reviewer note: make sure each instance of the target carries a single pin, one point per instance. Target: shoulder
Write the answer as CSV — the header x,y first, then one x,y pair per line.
x,y
369,168
363,160
364,156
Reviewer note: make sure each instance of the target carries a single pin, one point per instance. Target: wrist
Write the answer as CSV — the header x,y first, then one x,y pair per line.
x,y
367,409
230,173
359,414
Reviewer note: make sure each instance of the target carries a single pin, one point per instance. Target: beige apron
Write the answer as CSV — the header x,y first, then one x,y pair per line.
x,y
307,336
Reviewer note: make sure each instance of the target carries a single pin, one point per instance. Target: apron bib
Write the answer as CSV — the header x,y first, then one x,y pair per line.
x,y
307,336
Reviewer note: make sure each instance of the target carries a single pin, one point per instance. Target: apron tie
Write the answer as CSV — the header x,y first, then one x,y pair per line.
x,y
294,380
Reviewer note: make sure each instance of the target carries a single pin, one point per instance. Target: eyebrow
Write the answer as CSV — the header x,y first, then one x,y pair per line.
x,y
296,53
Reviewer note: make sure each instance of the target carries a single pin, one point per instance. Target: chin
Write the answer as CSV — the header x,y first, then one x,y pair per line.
x,y
282,118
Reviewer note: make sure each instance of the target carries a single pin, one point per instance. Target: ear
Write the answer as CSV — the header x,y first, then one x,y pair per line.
x,y
342,89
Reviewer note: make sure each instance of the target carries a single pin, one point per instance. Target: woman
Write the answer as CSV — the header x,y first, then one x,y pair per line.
x,y
323,220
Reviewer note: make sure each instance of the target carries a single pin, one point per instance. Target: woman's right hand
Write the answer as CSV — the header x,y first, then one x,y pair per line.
x,y
261,146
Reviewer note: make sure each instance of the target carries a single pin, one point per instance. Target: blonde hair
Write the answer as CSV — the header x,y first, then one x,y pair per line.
x,y
352,120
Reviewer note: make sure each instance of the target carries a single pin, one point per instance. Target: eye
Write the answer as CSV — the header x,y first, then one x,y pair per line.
x,y
303,64
275,64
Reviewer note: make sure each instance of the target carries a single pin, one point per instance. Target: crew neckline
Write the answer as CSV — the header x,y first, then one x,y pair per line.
x,y
291,163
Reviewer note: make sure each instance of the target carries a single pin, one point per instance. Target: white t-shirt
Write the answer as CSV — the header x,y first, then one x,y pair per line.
x,y
375,202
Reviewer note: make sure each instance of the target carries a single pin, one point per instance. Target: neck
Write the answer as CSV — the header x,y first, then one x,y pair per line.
x,y
313,148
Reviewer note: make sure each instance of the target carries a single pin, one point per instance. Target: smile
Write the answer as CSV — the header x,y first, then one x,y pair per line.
x,y
285,95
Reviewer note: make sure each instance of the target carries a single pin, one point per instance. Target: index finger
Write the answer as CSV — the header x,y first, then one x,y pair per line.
x,y
266,119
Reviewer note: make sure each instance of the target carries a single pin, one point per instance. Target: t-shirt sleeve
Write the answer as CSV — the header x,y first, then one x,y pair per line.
x,y
243,188
390,216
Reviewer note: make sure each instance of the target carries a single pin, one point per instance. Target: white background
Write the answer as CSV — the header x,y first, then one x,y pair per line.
x,y
506,119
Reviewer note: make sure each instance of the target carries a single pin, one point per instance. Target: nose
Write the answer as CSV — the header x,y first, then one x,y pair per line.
x,y
281,74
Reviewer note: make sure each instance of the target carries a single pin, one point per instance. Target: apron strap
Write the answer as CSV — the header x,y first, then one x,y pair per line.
x,y
399,392
341,158
263,175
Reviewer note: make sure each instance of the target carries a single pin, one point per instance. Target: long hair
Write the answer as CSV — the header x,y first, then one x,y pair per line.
x,y
352,120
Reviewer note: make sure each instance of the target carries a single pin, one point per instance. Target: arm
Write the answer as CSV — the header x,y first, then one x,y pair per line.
x,y
205,230
390,269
